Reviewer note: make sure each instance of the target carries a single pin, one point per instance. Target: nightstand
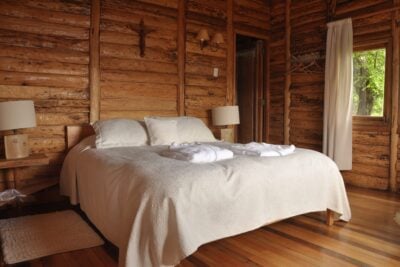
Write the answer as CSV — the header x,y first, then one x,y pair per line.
x,y
11,165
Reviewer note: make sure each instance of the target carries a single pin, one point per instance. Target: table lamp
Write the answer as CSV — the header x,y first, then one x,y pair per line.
x,y
17,115
223,116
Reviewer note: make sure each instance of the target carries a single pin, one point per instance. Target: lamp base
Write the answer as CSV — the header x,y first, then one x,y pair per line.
x,y
227,135
16,146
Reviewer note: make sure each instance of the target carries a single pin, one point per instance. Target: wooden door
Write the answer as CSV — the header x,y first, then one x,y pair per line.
x,y
250,88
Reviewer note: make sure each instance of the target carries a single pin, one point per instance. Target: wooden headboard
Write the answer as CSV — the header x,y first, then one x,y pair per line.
x,y
75,133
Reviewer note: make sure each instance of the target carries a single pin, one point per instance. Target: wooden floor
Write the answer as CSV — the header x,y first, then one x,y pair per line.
x,y
372,238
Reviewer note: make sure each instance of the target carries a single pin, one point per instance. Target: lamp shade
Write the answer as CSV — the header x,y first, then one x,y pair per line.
x,y
217,39
226,115
17,114
203,35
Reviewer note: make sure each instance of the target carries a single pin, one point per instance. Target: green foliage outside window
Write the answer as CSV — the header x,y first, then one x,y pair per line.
x,y
369,82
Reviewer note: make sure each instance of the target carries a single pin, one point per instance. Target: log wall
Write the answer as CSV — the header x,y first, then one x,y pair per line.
x,y
44,56
133,86
202,90
372,26
48,53
277,72
252,17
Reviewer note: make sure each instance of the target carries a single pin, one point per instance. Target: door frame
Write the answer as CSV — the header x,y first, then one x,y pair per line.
x,y
265,114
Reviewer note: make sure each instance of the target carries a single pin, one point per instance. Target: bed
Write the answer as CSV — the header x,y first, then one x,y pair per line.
x,y
158,211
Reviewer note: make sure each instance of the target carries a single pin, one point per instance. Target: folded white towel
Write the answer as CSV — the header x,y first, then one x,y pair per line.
x,y
262,149
197,153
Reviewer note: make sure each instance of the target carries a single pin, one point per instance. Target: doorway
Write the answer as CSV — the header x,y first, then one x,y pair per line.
x,y
250,88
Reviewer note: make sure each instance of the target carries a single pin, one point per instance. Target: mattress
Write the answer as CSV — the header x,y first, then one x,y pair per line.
x,y
159,210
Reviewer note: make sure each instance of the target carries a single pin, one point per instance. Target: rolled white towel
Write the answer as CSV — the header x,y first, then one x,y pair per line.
x,y
263,149
197,152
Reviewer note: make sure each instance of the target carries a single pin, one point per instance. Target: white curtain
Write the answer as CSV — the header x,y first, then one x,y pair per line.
x,y
337,139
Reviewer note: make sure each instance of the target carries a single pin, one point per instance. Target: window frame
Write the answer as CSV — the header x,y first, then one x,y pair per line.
x,y
382,120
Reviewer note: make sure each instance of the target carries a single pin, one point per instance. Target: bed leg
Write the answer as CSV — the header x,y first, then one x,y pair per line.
x,y
329,217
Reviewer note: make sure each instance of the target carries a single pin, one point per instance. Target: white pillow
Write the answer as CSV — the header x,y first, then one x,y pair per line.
x,y
161,131
191,129
119,133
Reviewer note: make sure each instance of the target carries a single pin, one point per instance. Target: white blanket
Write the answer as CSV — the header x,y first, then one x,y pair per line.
x,y
159,210
262,149
197,152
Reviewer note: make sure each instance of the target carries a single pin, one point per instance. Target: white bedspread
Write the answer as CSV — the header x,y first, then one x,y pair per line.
x,y
159,210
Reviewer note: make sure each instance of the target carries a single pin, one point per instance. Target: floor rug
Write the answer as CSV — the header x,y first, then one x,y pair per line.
x,y
31,237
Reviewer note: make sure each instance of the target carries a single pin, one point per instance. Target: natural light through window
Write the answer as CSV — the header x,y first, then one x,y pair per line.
x,y
369,82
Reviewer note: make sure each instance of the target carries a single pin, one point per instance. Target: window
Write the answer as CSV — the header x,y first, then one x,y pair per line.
x,y
369,82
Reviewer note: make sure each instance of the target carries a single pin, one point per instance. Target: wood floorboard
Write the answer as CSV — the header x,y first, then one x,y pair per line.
x,y
372,238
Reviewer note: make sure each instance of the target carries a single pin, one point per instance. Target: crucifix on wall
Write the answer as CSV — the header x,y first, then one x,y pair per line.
x,y
142,31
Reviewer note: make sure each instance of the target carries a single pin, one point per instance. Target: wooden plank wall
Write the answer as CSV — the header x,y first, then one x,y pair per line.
x,y
44,56
277,71
372,25
307,89
202,90
251,17
134,86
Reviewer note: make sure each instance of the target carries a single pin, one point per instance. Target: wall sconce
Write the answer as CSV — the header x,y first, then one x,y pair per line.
x,y
203,37
216,41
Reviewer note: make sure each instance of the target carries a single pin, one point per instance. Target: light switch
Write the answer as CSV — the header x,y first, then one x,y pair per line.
x,y
215,72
